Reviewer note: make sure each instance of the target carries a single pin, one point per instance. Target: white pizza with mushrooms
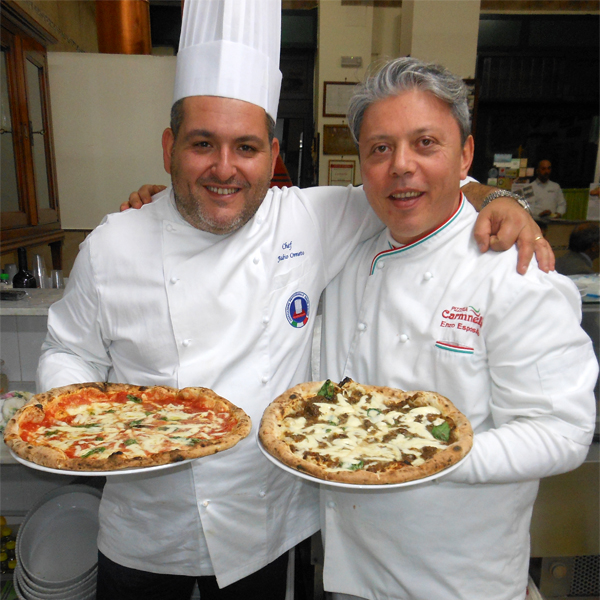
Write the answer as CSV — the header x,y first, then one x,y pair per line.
x,y
362,434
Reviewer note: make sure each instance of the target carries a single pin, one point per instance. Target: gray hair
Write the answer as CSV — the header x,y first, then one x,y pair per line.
x,y
405,74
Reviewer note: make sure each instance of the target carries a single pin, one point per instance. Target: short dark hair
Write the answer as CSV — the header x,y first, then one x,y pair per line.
x,y
584,236
177,115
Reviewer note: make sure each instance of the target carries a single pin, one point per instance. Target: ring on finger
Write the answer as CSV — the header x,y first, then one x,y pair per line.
x,y
539,237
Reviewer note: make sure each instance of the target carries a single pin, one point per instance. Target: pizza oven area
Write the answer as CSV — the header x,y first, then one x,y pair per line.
x,y
565,525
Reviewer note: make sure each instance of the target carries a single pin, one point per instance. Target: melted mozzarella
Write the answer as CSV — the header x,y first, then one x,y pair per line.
x,y
106,426
358,438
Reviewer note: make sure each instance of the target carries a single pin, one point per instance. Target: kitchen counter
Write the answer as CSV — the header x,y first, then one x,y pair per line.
x,y
35,303
23,326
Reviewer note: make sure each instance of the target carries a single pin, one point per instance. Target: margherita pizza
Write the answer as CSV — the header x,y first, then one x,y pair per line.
x,y
109,426
360,434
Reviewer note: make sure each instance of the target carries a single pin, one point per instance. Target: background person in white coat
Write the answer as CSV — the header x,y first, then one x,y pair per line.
x,y
523,372
548,199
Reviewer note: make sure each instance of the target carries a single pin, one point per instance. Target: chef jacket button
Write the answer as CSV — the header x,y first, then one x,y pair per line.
x,y
331,504
205,503
265,379
362,326
428,276
404,338
170,228
256,260
380,264
266,319
186,343
262,493
174,280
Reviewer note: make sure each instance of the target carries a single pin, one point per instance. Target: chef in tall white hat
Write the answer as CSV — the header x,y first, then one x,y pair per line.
x,y
228,66
213,284
231,49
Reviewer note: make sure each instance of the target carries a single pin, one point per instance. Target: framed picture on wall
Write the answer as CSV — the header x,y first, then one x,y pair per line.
x,y
336,96
337,139
341,172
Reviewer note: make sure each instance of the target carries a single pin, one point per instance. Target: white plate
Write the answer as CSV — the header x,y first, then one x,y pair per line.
x,y
354,486
56,543
133,471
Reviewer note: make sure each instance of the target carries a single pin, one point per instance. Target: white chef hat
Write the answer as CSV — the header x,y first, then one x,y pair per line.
x,y
230,48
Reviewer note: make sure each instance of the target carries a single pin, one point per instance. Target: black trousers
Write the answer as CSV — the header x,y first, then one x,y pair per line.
x,y
116,582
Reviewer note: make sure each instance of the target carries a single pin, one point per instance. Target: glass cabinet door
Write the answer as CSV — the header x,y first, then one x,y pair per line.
x,y
13,202
37,133
28,192
9,196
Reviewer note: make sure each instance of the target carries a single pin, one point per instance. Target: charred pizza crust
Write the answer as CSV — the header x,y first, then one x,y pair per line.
x,y
273,437
48,456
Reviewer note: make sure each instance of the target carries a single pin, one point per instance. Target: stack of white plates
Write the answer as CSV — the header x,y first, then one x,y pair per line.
x,y
57,554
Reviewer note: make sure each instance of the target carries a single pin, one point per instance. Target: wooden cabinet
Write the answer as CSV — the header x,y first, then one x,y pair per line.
x,y
29,198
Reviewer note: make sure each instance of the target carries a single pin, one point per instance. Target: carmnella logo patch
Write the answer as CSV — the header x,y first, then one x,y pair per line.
x,y
465,318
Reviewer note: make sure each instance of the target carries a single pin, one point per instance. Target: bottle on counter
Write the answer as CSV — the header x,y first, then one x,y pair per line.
x,y
11,269
23,278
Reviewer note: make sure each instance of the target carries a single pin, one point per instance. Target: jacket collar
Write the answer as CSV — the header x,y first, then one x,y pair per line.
x,y
396,250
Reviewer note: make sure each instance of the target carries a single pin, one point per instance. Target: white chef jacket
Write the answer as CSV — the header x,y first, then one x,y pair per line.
x,y
508,351
547,196
153,301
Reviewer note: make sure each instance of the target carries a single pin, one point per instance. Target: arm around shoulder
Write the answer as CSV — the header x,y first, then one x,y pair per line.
x,y
505,222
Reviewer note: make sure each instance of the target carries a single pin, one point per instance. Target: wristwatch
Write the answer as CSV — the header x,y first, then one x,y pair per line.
x,y
500,193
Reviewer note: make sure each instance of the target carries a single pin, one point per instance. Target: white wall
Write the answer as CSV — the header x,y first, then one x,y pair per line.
x,y
108,115
343,31
442,31
387,21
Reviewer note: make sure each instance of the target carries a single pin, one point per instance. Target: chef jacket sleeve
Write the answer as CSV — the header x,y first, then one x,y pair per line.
x,y
561,203
543,371
74,351
342,218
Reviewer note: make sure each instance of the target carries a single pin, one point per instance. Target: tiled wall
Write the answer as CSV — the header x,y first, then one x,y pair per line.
x,y
21,339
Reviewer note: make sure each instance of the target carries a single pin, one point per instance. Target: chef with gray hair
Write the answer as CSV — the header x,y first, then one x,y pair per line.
x,y
523,371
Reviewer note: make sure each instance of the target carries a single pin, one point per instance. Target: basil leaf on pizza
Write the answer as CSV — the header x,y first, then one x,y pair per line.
x,y
112,426
361,434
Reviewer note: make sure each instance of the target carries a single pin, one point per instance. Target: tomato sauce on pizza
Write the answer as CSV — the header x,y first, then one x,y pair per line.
x,y
106,426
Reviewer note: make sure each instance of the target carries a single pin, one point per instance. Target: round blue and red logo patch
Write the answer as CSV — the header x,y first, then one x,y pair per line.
x,y
296,309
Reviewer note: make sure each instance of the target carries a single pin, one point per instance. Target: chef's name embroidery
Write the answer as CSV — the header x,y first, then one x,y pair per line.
x,y
287,252
465,318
